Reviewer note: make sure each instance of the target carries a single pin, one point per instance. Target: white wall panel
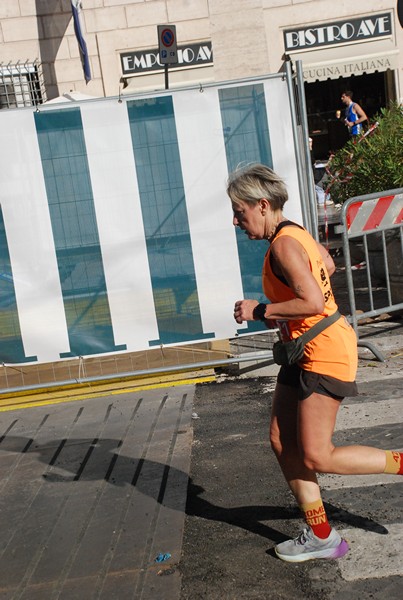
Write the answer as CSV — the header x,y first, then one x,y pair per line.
x,y
204,169
30,239
282,143
118,211
120,224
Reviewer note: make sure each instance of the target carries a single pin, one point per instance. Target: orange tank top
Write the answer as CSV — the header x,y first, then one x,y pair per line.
x,y
334,351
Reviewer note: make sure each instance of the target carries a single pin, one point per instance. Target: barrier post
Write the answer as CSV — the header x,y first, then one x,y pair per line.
x,y
374,217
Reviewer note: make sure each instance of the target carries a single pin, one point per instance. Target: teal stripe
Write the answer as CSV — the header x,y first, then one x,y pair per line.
x,y
247,139
11,346
75,232
165,219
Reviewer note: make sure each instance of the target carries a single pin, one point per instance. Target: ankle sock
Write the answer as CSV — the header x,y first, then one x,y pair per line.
x,y
394,462
316,518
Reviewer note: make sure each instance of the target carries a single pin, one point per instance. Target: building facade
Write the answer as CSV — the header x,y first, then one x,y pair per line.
x,y
344,45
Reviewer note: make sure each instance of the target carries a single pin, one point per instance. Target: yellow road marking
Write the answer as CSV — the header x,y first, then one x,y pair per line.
x,y
60,396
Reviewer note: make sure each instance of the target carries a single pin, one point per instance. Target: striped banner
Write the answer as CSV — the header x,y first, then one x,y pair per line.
x,y
364,216
116,232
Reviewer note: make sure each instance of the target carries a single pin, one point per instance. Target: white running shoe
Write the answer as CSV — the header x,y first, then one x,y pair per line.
x,y
307,546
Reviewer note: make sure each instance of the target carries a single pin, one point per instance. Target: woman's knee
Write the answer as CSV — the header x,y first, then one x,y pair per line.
x,y
316,460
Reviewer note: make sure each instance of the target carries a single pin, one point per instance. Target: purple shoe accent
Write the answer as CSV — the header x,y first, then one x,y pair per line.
x,y
341,550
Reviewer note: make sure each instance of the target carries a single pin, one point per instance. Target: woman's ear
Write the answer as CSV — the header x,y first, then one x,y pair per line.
x,y
264,205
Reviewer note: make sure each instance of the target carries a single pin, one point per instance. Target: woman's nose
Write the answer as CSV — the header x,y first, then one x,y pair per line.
x,y
235,221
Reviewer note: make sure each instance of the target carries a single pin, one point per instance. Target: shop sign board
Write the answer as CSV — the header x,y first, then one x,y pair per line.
x,y
339,32
191,55
346,68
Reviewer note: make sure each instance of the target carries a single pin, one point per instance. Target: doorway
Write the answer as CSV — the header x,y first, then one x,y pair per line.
x,y
326,125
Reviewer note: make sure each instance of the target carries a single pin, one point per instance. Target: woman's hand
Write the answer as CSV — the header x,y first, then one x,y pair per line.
x,y
243,310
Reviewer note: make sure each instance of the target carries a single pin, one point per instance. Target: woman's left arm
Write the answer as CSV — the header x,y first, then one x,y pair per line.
x,y
293,261
327,259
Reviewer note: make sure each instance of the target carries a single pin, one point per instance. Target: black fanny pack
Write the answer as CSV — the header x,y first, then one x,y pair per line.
x,y
288,353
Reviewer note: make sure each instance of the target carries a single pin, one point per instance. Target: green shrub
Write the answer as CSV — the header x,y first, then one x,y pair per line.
x,y
373,163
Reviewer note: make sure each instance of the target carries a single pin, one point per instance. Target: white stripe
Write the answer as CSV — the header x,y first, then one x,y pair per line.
x,y
204,169
362,216
366,415
120,223
369,414
367,208
393,211
337,482
372,554
30,240
282,143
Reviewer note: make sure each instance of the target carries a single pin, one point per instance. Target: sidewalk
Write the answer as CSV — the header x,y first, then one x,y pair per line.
x,y
92,492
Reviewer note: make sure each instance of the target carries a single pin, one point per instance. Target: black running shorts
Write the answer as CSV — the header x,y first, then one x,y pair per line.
x,y
307,383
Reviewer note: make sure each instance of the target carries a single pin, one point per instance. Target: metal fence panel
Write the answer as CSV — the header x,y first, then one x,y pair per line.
x,y
375,222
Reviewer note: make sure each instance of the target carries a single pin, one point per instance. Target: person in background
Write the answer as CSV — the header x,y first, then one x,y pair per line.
x,y
354,115
296,278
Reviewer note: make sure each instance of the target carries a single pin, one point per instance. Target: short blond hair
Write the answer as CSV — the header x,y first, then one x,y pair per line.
x,y
253,182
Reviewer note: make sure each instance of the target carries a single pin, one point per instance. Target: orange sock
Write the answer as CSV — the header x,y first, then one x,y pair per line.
x,y
394,462
316,518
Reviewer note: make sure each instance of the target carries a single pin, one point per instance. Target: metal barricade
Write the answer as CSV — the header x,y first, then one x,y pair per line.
x,y
375,223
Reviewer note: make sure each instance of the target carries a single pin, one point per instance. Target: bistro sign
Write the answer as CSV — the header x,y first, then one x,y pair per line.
x,y
138,63
339,32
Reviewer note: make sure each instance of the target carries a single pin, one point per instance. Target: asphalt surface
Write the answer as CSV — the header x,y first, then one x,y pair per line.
x,y
239,506
173,493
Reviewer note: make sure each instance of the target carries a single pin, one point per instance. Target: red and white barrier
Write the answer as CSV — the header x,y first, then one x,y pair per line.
x,y
364,216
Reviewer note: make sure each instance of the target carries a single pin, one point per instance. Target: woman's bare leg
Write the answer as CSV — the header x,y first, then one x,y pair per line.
x,y
284,440
301,435
317,418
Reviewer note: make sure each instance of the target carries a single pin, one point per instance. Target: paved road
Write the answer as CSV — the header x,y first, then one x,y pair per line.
x,y
239,506
92,491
